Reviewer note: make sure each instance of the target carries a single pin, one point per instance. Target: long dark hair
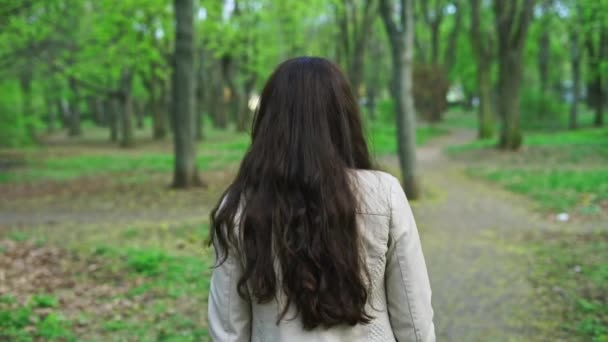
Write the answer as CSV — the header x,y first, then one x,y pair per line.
x,y
293,202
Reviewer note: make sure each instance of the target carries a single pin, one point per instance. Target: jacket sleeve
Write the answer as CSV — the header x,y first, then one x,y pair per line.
x,y
407,284
229,315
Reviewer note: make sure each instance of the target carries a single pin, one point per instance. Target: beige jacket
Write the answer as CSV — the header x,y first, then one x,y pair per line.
x,y
400,300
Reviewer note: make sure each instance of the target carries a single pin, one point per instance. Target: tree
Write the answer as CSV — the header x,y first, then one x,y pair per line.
x,y
512,19
400,32
185,172
576,52
596,44
355,25
544,46
432,71
434,16
482,46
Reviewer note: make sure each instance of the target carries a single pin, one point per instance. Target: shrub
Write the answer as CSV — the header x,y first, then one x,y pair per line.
x,y
542,111
430,92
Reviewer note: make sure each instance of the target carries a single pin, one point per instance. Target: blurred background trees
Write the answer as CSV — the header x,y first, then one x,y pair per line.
x,y
66,65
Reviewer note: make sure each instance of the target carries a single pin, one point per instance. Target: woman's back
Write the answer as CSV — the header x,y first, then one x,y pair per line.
x,y
400,297
311,244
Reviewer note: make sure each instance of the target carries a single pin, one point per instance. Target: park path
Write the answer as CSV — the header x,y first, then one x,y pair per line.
x,y
470,233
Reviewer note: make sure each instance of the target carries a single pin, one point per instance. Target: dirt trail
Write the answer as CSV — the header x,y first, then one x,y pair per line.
x,y
469,232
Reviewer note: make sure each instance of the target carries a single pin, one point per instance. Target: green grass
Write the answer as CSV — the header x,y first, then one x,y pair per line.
x,y
382,136
221,148
22,322
592,137
554,188
457,118
570,272
168,292
215,153
562,171
177,284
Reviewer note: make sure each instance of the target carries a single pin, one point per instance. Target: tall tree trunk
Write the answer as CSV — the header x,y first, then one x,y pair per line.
x,y
185,172
575,66
509,82
113,116
401,37
235,99
200,95
94,110
598,119
51,112
451,48
63,108
512,22
101,111
360,39
356,69
74,119
482,51
215,95
126,102
544,49
435,43
485,111
139,111
599,100
158,107
26,99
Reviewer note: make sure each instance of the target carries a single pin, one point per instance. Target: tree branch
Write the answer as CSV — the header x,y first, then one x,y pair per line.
x,y
387,18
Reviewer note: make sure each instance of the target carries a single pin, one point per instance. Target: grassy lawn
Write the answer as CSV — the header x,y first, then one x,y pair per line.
x,y
563,171
382,136
220,149
56,164
131,290
570,272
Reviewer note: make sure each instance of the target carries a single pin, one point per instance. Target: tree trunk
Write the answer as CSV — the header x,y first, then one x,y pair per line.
x,y
595,97
482,51
406,122
113,117
126,102
200,95
26,100
435,43
74,119
185,172
544,50
236,97
452,44
509,81
373,82
356,70
575,65
401,38
598,119
94,110
51,112
485,112
512,20
139,111
158,107
63,107
215,96
543,61
599,99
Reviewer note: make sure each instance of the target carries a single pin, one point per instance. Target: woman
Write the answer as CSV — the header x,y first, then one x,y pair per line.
x,y
311,243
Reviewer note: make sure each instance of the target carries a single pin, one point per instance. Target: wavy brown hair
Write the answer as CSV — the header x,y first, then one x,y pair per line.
x,y
293,204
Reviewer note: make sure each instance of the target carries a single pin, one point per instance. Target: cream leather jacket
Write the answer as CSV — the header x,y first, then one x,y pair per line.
x,y
400,300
